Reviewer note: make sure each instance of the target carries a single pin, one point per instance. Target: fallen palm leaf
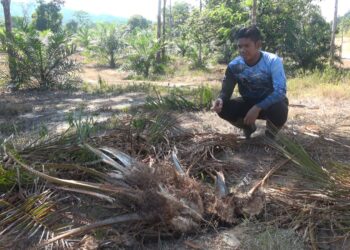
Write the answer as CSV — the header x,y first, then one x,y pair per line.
x,y
83,229
125,159
106,159
71,183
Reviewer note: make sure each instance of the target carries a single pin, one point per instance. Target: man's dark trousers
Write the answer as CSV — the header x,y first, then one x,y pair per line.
x,y
235,110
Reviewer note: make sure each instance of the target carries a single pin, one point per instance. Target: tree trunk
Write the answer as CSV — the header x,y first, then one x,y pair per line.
x,y
334,27
200,43
170,20
163,35
112,61
8,26
159,27
342,41
254,12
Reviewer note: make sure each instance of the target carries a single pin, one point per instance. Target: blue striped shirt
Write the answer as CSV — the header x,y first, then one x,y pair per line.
x,y
264,82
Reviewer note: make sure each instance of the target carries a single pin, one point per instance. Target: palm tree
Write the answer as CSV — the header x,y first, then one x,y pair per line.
x,y
8,26
334,27
254,13
159,27
163,36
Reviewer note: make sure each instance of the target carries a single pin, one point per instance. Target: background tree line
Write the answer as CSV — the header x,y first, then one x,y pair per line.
x,y
41,47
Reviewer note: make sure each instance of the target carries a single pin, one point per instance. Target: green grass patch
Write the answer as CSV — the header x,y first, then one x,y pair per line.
x,y
103,87
182,98
7,179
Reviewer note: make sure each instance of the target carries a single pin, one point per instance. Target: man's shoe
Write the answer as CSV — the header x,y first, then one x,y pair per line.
x,y
249,130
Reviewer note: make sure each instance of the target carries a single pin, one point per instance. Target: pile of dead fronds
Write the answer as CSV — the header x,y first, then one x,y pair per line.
x,y
317,203
147,179
150,194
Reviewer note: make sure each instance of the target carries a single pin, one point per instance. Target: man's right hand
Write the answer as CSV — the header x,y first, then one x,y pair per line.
x,y
217,105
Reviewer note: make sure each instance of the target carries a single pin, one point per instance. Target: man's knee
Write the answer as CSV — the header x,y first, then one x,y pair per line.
x,y
278,114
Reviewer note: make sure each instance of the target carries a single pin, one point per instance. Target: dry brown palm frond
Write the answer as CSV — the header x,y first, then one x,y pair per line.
x,y
83,229
319,204
157,194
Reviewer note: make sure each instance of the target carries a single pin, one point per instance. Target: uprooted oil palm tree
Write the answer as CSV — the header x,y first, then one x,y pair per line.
x,y
144,198
154,193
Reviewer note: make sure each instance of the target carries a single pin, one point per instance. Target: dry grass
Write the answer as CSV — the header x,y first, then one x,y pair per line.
x,y
317,85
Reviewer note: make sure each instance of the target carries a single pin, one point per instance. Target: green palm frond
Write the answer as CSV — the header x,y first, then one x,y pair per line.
x,y
156,126
89,186
170,102
332,178
34,217
309,167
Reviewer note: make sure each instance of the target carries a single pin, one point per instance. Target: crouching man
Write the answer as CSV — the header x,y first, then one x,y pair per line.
x,y
261,83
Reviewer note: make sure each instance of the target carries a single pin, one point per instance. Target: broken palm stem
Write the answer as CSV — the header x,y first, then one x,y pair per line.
x,y
268,175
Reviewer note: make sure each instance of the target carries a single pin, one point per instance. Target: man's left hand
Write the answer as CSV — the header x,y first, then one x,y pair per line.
x,y
252,115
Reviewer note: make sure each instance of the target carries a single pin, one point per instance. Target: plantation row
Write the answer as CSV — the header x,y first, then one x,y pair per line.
x,y
41,47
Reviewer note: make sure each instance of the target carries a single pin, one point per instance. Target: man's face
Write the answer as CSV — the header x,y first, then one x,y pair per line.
x,y
249,49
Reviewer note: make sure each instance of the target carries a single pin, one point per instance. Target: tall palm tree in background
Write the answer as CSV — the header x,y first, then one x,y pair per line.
x,y
200,60
254,12
8,26
159,27
163,35
334,27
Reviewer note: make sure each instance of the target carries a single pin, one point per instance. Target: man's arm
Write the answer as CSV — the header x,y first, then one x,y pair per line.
x,y
228,85
279,85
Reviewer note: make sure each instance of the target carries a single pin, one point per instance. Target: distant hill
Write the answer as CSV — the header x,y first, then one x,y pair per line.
x,y
68,14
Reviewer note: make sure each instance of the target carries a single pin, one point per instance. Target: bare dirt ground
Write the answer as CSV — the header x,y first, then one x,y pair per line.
x,y
26,111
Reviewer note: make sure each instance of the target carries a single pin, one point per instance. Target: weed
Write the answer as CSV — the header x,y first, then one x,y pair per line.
x,y
84,127
7,179
43,130
274,239
116,89
182,99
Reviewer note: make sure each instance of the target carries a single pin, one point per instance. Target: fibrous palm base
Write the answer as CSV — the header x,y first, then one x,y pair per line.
x,y
148,193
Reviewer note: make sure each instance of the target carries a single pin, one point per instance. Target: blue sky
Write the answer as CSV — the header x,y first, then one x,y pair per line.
x,y
148,8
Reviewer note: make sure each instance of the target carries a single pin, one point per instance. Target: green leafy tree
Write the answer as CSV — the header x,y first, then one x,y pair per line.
x,y
296,31
84,37
138,22
82,18
181,11
109,43
20,23
72,26
143,48
47,16
199,39
7,40
222,21
44,59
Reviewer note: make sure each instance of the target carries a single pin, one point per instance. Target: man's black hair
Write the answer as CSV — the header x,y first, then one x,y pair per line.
x,y
251,32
